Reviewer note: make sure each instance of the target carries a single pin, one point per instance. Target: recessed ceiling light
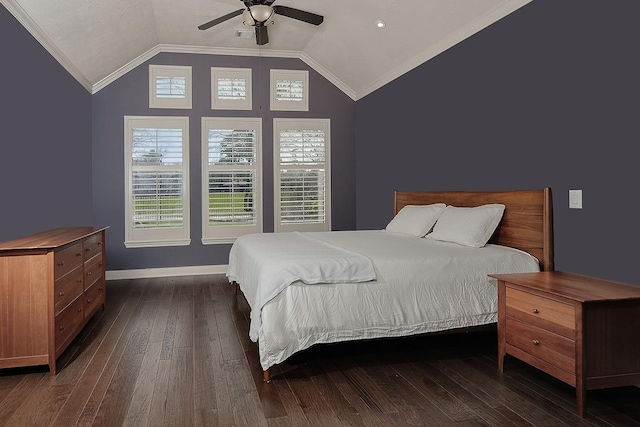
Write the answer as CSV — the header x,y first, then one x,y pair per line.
x,y
379,23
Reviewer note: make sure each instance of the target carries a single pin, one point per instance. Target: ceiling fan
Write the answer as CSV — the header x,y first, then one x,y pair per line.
x,y
259,14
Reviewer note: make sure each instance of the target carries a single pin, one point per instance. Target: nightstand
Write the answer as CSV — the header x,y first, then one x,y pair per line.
x,y
582,330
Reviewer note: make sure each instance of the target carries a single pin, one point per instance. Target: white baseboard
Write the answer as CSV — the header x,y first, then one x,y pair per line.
x,y
145,273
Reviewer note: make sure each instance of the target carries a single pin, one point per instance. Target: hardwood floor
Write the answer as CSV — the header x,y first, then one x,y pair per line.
x,y
175,352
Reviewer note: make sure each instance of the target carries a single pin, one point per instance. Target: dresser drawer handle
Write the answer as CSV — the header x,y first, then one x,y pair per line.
x,y
88,249
99,243
61,328
60,263
535,311
88,300
79,281
61,294
88,273
79,254
536,342
79,310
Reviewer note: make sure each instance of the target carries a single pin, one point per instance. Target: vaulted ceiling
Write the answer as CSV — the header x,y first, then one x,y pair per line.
x,y
99,40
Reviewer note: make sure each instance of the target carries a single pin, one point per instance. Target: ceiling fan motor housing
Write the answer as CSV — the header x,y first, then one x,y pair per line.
x,y
258,15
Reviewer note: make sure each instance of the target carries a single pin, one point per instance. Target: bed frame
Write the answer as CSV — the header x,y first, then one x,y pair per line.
x,y
527,223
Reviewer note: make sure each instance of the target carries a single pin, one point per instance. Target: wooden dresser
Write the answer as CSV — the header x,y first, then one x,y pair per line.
x,y
582,330
51,283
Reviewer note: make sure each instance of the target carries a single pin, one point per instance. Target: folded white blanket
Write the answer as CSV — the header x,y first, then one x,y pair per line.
x,y
284,258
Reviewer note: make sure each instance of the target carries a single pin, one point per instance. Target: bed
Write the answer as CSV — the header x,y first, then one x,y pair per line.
x,y
324,287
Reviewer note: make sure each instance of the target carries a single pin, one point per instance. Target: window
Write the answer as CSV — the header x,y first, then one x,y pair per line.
x,y
232,190
157,181
169,86
302,175
231,89
289,90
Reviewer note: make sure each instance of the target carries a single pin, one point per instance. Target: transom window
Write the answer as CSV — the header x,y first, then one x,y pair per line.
x,y
169,86
289,90
231,88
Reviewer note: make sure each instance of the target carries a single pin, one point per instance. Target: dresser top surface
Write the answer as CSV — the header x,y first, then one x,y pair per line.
x,y
49,239
573,286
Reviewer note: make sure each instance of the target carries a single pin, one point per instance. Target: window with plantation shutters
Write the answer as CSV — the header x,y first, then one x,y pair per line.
x,y
232,190
302,175
231,88
157,181
169,86
289,90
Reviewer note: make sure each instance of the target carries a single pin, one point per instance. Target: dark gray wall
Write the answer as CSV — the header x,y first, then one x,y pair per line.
x,y
129,95
45,144
548,96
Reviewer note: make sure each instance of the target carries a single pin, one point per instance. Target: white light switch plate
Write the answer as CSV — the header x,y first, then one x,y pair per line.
x,y
575,199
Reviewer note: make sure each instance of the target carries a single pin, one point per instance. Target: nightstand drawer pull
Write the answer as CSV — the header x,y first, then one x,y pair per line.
x,y
535,311
536,342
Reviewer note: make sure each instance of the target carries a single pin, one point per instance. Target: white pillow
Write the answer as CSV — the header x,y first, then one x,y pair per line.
x,y
415,220
468,226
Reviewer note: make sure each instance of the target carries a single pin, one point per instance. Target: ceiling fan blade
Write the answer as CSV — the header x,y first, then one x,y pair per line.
x,y
262,37
221,19
298,14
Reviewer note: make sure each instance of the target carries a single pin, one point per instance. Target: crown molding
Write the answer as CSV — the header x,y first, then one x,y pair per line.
x,y
29,24
207,50
453,39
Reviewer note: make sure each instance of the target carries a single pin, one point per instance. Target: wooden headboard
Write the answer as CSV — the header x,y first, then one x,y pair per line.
x,y
527,223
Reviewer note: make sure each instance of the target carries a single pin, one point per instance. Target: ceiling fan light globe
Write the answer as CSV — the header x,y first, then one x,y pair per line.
x,y
247,18
260,13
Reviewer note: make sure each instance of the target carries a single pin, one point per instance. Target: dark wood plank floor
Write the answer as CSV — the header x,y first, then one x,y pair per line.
x,y
175,352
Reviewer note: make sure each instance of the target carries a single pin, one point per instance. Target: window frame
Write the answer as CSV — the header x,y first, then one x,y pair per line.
x,y
229,233
231,104
159,236
301,123
156,101
278,105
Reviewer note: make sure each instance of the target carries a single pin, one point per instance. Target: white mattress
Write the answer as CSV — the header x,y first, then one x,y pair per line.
x,y
422,286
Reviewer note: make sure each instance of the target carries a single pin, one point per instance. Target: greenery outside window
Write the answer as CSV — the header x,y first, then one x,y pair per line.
x,y
157,181
232,176
302,175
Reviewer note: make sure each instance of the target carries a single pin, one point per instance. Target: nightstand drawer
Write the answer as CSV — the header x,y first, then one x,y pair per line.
x,y
552,348
543,312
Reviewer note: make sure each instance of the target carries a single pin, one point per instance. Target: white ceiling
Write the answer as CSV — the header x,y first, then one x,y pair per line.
x,y
99,40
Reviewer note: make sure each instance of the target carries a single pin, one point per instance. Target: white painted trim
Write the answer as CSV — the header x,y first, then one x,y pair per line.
x,y
101,84
30,25
328,75
451,40
207,50
145,273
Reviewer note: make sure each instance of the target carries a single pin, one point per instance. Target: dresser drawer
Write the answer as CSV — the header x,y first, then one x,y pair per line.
x,y
93,298
67,259
92,246
68,323
552,348
92,271
68,288
543,312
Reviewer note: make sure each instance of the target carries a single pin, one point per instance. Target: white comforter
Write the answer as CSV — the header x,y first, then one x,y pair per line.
x,y
422,286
